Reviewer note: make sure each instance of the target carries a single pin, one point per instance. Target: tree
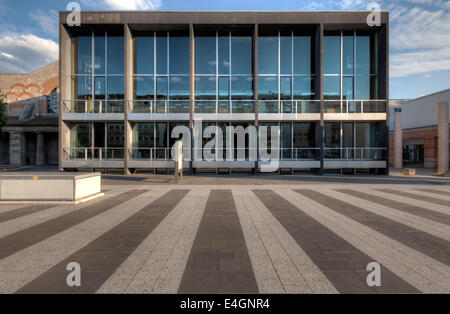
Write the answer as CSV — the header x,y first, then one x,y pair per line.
x,y
2,111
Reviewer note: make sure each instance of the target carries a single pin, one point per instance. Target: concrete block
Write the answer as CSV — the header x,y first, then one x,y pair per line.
x,y
438,172
409,172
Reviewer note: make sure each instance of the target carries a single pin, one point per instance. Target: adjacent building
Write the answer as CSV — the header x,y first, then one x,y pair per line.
x,y
423,131
30,133
128,79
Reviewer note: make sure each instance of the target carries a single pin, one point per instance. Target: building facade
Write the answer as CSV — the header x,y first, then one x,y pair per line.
x,y
420,120
30,133
129,78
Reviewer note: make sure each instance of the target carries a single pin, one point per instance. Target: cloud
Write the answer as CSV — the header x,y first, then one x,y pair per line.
x,y
20,53
417,62
123,5
419,32
47,20
419,39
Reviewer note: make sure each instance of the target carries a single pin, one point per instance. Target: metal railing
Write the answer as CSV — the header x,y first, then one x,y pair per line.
x,y
358,153
89,153
290,154
354,106
289,106
158,106
93,106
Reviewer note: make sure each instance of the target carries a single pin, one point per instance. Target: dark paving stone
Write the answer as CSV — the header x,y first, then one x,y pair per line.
x,y
23,211
219,261
438,192
329,251
100,258
419,197
27,237
407,208
423,242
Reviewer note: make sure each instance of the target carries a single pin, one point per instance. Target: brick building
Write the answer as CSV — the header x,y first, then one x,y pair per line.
x,y
420,123
30,134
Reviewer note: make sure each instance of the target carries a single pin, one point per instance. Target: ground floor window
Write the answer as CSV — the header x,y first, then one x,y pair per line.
x,y
413,155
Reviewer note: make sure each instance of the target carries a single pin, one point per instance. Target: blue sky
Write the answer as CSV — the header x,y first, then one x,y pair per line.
x,y
419,33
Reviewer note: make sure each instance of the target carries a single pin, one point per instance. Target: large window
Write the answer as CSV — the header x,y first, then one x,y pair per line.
x,y
223,72
161,72
152,140
286,70
97,73
350,66
97,140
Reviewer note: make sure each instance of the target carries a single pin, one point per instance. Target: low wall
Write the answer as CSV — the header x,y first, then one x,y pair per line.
x,y
59,187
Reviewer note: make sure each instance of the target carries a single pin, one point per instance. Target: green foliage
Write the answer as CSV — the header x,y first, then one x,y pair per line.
x,y
2,111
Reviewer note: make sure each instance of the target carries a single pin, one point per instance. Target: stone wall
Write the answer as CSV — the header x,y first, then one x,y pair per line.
x,y
17,89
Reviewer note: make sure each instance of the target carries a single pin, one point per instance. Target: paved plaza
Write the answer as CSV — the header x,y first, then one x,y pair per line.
x,y
244,234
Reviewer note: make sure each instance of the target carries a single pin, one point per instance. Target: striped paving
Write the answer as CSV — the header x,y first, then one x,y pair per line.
x,y
219,260
407,206
429,199
101,257
24,238
343,264
423,242
234,239
23,211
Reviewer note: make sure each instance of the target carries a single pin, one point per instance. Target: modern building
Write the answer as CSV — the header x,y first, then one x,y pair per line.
x,y
30,134
419,121
128,78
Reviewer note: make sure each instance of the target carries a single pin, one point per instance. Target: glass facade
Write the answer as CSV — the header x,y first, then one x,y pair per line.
x,y
350,66
98,73
223,72
161,72
286,70
224,82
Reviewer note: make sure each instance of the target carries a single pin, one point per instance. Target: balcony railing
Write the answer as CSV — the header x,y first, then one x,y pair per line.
x,y
158,106
224,106
93,106
355,106
366,153
296,154
289,106
89,153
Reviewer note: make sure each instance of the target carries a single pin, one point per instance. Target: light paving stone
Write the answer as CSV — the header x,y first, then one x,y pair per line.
x,y
435,207
434,228
24,222
308,272
22,267
266,276
163,238
421,271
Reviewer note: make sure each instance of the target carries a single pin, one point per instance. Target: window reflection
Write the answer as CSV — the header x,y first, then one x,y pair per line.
x,y
242,87
115,55
241,54
205,54
144,55
302,55
332,54
268,55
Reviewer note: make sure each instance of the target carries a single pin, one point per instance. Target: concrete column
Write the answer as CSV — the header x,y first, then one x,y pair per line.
x,y
191,92
16,148
398,136
64,89
40,155
129,56
443,136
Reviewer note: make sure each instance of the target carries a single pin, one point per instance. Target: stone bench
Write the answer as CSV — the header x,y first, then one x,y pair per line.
x,y
49,187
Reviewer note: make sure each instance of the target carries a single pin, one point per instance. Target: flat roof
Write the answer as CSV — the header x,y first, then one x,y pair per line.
x,y
225,17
